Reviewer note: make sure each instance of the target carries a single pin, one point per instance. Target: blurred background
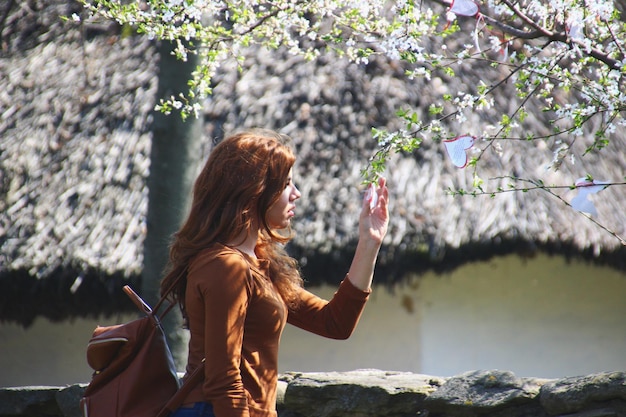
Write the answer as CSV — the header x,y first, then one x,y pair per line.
x,y
518,282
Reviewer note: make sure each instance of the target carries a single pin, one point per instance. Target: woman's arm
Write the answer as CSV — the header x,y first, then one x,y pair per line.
x,y
373,223
335,319
338,317
218,295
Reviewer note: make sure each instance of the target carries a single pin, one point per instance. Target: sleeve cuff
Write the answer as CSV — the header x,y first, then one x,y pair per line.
x,y
348,288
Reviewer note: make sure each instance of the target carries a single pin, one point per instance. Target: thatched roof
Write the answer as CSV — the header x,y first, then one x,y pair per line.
x,y
75,140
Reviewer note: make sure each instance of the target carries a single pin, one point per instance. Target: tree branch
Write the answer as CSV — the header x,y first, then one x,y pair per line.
x,y
562,37
538,185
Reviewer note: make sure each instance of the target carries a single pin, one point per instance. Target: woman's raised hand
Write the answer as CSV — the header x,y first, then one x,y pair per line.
x,y
374,218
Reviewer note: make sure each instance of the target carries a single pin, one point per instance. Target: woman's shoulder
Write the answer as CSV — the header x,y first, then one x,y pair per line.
x,y
218,255
221,271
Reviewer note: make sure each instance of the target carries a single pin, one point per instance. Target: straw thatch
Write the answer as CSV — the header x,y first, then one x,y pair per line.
x,y
74,156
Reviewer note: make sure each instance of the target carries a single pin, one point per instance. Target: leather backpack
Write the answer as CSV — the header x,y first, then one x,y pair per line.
x,y
135,375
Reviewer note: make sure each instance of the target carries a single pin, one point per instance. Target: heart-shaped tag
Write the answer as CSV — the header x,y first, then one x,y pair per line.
x,y
457,147
372,196
585,188
464,8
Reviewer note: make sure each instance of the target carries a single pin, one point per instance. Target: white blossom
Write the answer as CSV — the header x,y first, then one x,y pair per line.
x,y
570,85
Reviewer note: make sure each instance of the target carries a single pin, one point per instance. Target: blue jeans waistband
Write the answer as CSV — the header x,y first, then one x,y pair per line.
x,y
199,409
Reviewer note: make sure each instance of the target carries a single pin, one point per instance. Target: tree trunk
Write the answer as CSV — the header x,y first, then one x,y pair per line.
x,y
174,164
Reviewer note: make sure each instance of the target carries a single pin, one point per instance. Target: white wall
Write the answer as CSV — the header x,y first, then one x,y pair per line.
x,y
543,317
47,353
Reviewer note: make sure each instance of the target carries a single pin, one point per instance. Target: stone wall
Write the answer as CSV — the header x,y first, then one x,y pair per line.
x,y
375,393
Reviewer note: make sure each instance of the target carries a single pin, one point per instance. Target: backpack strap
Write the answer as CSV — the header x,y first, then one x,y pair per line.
x,y
163,298
178,398
153,311
145,308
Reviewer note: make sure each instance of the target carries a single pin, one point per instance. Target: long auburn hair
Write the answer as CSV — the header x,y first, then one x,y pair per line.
x,y
243,176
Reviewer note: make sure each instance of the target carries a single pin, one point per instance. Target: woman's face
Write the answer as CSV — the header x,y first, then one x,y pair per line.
x,y
280,213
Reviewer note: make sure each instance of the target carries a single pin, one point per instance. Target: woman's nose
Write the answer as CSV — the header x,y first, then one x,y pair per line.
x,y
296,193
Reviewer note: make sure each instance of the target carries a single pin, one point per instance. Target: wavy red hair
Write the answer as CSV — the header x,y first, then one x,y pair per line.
x,y
243,176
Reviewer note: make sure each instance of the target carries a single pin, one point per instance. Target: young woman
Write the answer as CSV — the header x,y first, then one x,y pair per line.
x,y
239,287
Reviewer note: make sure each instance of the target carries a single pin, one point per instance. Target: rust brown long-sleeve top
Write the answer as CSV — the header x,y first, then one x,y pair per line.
x,y
236,318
